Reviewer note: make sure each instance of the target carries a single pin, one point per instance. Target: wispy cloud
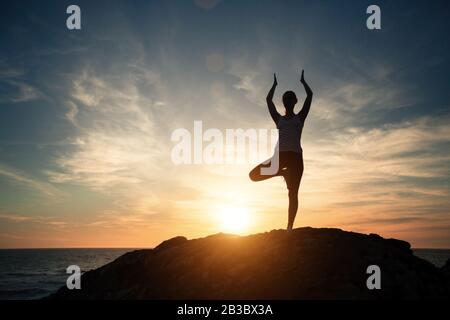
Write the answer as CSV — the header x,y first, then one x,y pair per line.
x,y
49,221
20,177
251,76
119,143
72,113
18,90
353,97
393,171
25,92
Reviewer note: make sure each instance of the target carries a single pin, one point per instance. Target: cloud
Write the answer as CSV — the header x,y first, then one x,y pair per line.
x,y
71,114
360,95
17,90
117,141
394,170
251,77
15,175
120,145
347,102
410,148
25,92
15,218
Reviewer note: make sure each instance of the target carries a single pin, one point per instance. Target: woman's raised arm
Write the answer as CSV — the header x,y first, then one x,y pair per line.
x,y
309,94
272,109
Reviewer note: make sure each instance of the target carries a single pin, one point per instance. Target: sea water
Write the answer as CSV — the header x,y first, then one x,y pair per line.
x,y
36,273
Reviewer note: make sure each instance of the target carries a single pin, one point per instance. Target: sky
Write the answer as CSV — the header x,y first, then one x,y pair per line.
x,y
86,119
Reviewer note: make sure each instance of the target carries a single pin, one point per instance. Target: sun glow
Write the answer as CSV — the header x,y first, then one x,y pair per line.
x,y
233,219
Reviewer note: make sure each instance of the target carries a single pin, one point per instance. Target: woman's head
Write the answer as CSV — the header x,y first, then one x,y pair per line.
x,y
289,100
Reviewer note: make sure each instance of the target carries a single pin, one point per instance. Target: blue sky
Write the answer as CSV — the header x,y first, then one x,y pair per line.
x,y
86,117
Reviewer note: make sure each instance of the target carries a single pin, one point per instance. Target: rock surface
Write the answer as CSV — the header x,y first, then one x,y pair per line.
x,y
307,263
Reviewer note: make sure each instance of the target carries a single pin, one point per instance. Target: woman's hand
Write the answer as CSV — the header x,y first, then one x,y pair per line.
x,y
275,82
302,79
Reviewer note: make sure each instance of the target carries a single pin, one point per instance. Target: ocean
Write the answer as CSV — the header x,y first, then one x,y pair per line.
x,y
36,273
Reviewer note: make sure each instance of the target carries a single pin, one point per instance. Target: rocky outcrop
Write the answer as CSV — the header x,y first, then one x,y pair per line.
x,y
306,263
446,270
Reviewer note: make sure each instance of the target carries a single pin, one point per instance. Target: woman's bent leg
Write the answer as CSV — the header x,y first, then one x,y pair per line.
x,y
256,175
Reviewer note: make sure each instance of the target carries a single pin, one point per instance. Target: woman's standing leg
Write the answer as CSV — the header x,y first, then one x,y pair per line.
x,y
293,207
295,172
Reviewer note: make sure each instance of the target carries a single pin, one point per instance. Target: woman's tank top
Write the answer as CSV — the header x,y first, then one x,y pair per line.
x,y
289,133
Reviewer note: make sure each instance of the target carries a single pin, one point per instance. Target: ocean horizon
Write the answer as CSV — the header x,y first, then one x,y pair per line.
x,y
34,273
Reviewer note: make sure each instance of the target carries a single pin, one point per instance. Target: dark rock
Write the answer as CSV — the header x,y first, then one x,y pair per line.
x,y
171,243
446,270
304,264
446,267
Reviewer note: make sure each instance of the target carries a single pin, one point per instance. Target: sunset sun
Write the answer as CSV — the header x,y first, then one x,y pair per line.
x,y
233,219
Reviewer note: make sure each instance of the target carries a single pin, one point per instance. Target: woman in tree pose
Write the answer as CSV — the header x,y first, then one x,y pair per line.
x,y
288,159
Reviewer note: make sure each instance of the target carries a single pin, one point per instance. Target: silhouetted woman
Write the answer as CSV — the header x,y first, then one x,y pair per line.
x,y
290,158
